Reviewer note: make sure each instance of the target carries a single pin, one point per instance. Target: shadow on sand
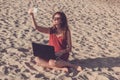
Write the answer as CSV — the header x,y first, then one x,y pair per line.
x,y
107,62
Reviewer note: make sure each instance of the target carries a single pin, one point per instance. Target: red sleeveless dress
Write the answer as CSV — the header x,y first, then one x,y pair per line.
x,y
59,43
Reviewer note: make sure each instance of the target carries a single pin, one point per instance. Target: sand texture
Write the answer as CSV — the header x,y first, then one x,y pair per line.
x,y
95,30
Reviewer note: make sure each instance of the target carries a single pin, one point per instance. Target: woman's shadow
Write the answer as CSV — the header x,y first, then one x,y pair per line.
x,y
106,62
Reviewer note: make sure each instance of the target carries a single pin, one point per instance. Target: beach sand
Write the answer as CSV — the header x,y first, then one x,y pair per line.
x,y
95,31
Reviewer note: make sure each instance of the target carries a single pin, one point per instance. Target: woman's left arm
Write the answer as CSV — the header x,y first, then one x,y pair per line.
x,y
69,45
69,42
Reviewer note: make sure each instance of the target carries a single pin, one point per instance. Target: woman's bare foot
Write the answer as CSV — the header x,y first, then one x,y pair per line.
x,y
65,69
79,68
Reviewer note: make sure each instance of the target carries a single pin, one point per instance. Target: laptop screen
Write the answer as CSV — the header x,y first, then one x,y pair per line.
x,y
43,51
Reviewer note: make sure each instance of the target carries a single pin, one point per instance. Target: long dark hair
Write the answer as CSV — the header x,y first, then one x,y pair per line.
x,y
64,23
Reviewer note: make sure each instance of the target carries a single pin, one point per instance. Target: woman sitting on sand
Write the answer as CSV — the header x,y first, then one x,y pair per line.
x,y
60,38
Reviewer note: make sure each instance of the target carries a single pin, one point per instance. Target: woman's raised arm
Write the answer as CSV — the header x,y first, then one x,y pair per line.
x,y
39,28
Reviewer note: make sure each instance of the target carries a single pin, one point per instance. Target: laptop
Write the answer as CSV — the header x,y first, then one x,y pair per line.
x,y
45,52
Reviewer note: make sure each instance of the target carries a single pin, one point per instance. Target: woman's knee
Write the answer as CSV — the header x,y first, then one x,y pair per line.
x,y
36,59
40,61
52,62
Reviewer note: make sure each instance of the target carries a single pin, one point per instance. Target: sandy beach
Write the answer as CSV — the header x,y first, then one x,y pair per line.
x,y
95,31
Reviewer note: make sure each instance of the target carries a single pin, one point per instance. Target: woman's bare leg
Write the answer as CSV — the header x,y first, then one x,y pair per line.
x,y
56,64
49,64
62,63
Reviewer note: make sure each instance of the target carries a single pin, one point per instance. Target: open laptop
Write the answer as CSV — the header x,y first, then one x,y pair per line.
x,y
43,51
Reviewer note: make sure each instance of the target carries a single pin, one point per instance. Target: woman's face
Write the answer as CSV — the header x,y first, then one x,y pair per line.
x,y
57,20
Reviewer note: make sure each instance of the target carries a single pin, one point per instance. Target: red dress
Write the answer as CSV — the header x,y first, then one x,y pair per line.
x,y
59,43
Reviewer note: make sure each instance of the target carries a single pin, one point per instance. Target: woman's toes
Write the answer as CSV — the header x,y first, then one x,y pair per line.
x,y
65,69
79,68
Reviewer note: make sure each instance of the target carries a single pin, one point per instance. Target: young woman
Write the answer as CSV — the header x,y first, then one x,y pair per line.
x,y
60,38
